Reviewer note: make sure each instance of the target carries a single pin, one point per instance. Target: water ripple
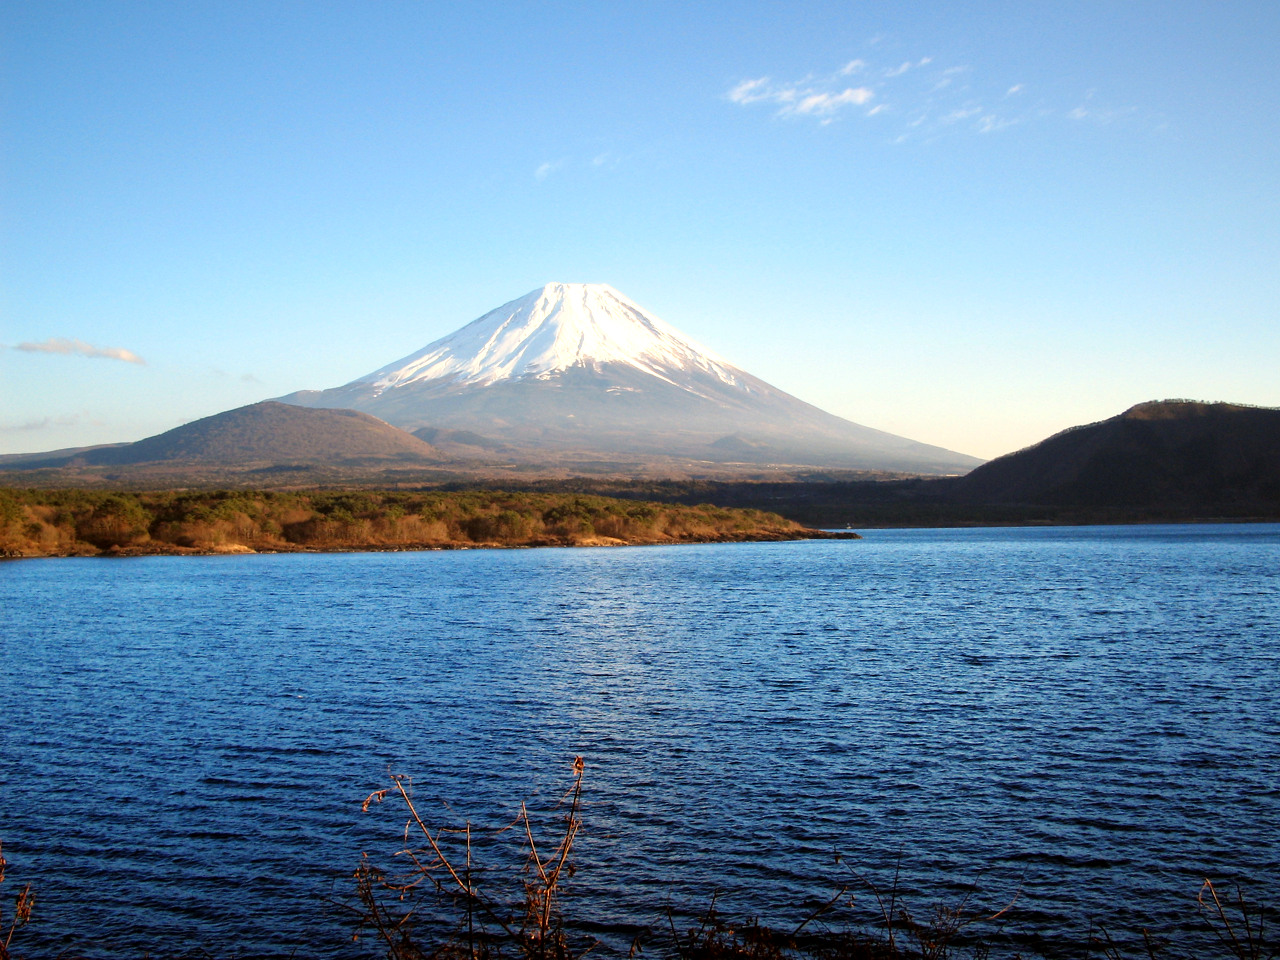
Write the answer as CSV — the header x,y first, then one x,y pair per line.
x,y
1089,715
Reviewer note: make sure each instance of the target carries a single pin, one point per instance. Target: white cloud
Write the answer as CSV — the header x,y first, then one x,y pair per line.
x,y
964,113
824,104
45,423
546,169
993,124
30,425
1097,115
61,345
240,377
749,91
1088,110
924,97
809,98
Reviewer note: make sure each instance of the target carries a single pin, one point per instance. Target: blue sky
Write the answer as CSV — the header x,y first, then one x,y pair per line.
x,y
971,224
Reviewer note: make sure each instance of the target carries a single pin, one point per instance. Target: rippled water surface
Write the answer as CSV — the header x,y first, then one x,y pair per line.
x,y
1090,715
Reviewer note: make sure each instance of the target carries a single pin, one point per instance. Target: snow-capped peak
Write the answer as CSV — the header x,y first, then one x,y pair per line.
x,y
546,331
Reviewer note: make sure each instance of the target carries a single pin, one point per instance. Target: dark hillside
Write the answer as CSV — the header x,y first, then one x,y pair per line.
x,y
51,459
1161,461
1166,461
1173,454
438,436
272,432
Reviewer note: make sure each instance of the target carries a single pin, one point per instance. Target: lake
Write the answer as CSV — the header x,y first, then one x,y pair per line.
x,y
1087,718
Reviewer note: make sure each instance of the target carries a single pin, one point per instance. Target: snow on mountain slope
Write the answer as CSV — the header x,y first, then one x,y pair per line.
x,y
547,331
576,368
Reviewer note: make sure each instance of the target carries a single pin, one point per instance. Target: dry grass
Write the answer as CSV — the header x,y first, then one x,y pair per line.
x,y
485,925
80,522
1240,925
899,935
490,920
460,893
21,913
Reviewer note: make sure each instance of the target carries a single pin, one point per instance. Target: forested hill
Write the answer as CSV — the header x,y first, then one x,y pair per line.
x,y
82,522
1173,454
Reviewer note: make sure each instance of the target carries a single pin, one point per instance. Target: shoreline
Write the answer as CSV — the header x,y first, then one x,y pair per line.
x,y
241,550
78,523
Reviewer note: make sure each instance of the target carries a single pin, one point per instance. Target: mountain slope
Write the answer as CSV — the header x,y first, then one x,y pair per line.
x,y
271,432
1173,452
549,331
580,368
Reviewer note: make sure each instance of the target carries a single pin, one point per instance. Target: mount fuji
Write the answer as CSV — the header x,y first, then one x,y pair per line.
x,y
579,370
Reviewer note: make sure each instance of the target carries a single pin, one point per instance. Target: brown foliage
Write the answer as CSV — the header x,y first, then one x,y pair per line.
x,y
72,522
21,913
488,924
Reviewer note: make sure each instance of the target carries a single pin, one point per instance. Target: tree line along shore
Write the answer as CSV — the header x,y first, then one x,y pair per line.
x,y
47,523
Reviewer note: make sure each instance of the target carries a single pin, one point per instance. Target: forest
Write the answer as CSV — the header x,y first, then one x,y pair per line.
x,y
35,523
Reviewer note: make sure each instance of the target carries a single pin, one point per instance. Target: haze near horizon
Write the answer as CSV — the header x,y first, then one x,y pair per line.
x,y
969,227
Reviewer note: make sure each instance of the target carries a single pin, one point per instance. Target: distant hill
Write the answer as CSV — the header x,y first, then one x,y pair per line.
x,y
50,458
270,432
1160,461
438,436
1173,460
1173,454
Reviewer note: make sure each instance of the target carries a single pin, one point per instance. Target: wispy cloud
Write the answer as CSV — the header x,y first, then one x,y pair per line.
x,y
547,169
48,423
825,97
962,113
61,345
824,104
601,160
752,91
917,99
1088,110
994,124
801,99
609,160
239,377
912,99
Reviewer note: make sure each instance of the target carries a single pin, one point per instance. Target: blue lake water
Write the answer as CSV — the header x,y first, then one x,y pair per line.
x,y
1090,716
